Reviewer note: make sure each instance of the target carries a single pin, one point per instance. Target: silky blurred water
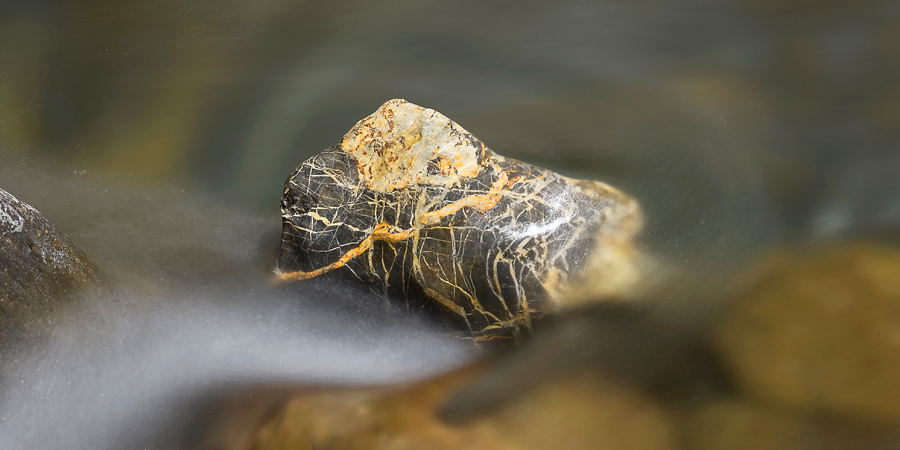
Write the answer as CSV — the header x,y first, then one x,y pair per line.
x,y
158,134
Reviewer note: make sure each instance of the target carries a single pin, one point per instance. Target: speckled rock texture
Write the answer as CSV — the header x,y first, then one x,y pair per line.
x,y
40,270
411,202
581,412
820,330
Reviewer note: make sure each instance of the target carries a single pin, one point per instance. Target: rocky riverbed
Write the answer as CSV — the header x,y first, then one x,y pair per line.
x,y
810,349
804,357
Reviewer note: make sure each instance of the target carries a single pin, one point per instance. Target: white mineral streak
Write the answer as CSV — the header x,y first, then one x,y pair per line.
x,y
10,219
537,229
397,143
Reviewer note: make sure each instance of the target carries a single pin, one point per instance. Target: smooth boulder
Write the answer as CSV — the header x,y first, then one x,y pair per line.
x,y
412,203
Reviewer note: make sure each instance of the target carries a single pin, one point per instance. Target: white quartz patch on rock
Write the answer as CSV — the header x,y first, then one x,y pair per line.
x,y
403,144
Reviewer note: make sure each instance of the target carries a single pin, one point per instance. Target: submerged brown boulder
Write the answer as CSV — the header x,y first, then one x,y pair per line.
x,y
819,330
580,412
411,202
40,269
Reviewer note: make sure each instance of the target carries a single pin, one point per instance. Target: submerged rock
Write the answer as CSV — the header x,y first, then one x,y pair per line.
x,y
820,331
577,412
411,203
40,269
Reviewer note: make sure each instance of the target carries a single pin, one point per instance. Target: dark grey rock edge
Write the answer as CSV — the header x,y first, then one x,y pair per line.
x,y
40,270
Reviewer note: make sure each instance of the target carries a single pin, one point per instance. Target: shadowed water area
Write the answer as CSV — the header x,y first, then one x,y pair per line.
x,y
157,135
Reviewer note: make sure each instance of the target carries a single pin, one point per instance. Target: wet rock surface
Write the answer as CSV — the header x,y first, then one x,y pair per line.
x,y
412,201
40,270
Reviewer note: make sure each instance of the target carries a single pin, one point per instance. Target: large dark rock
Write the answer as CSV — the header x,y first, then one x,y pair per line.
x,y
40,270
411,201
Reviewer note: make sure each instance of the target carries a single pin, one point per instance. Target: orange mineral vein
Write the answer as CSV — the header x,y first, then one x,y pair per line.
x,y
389,233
